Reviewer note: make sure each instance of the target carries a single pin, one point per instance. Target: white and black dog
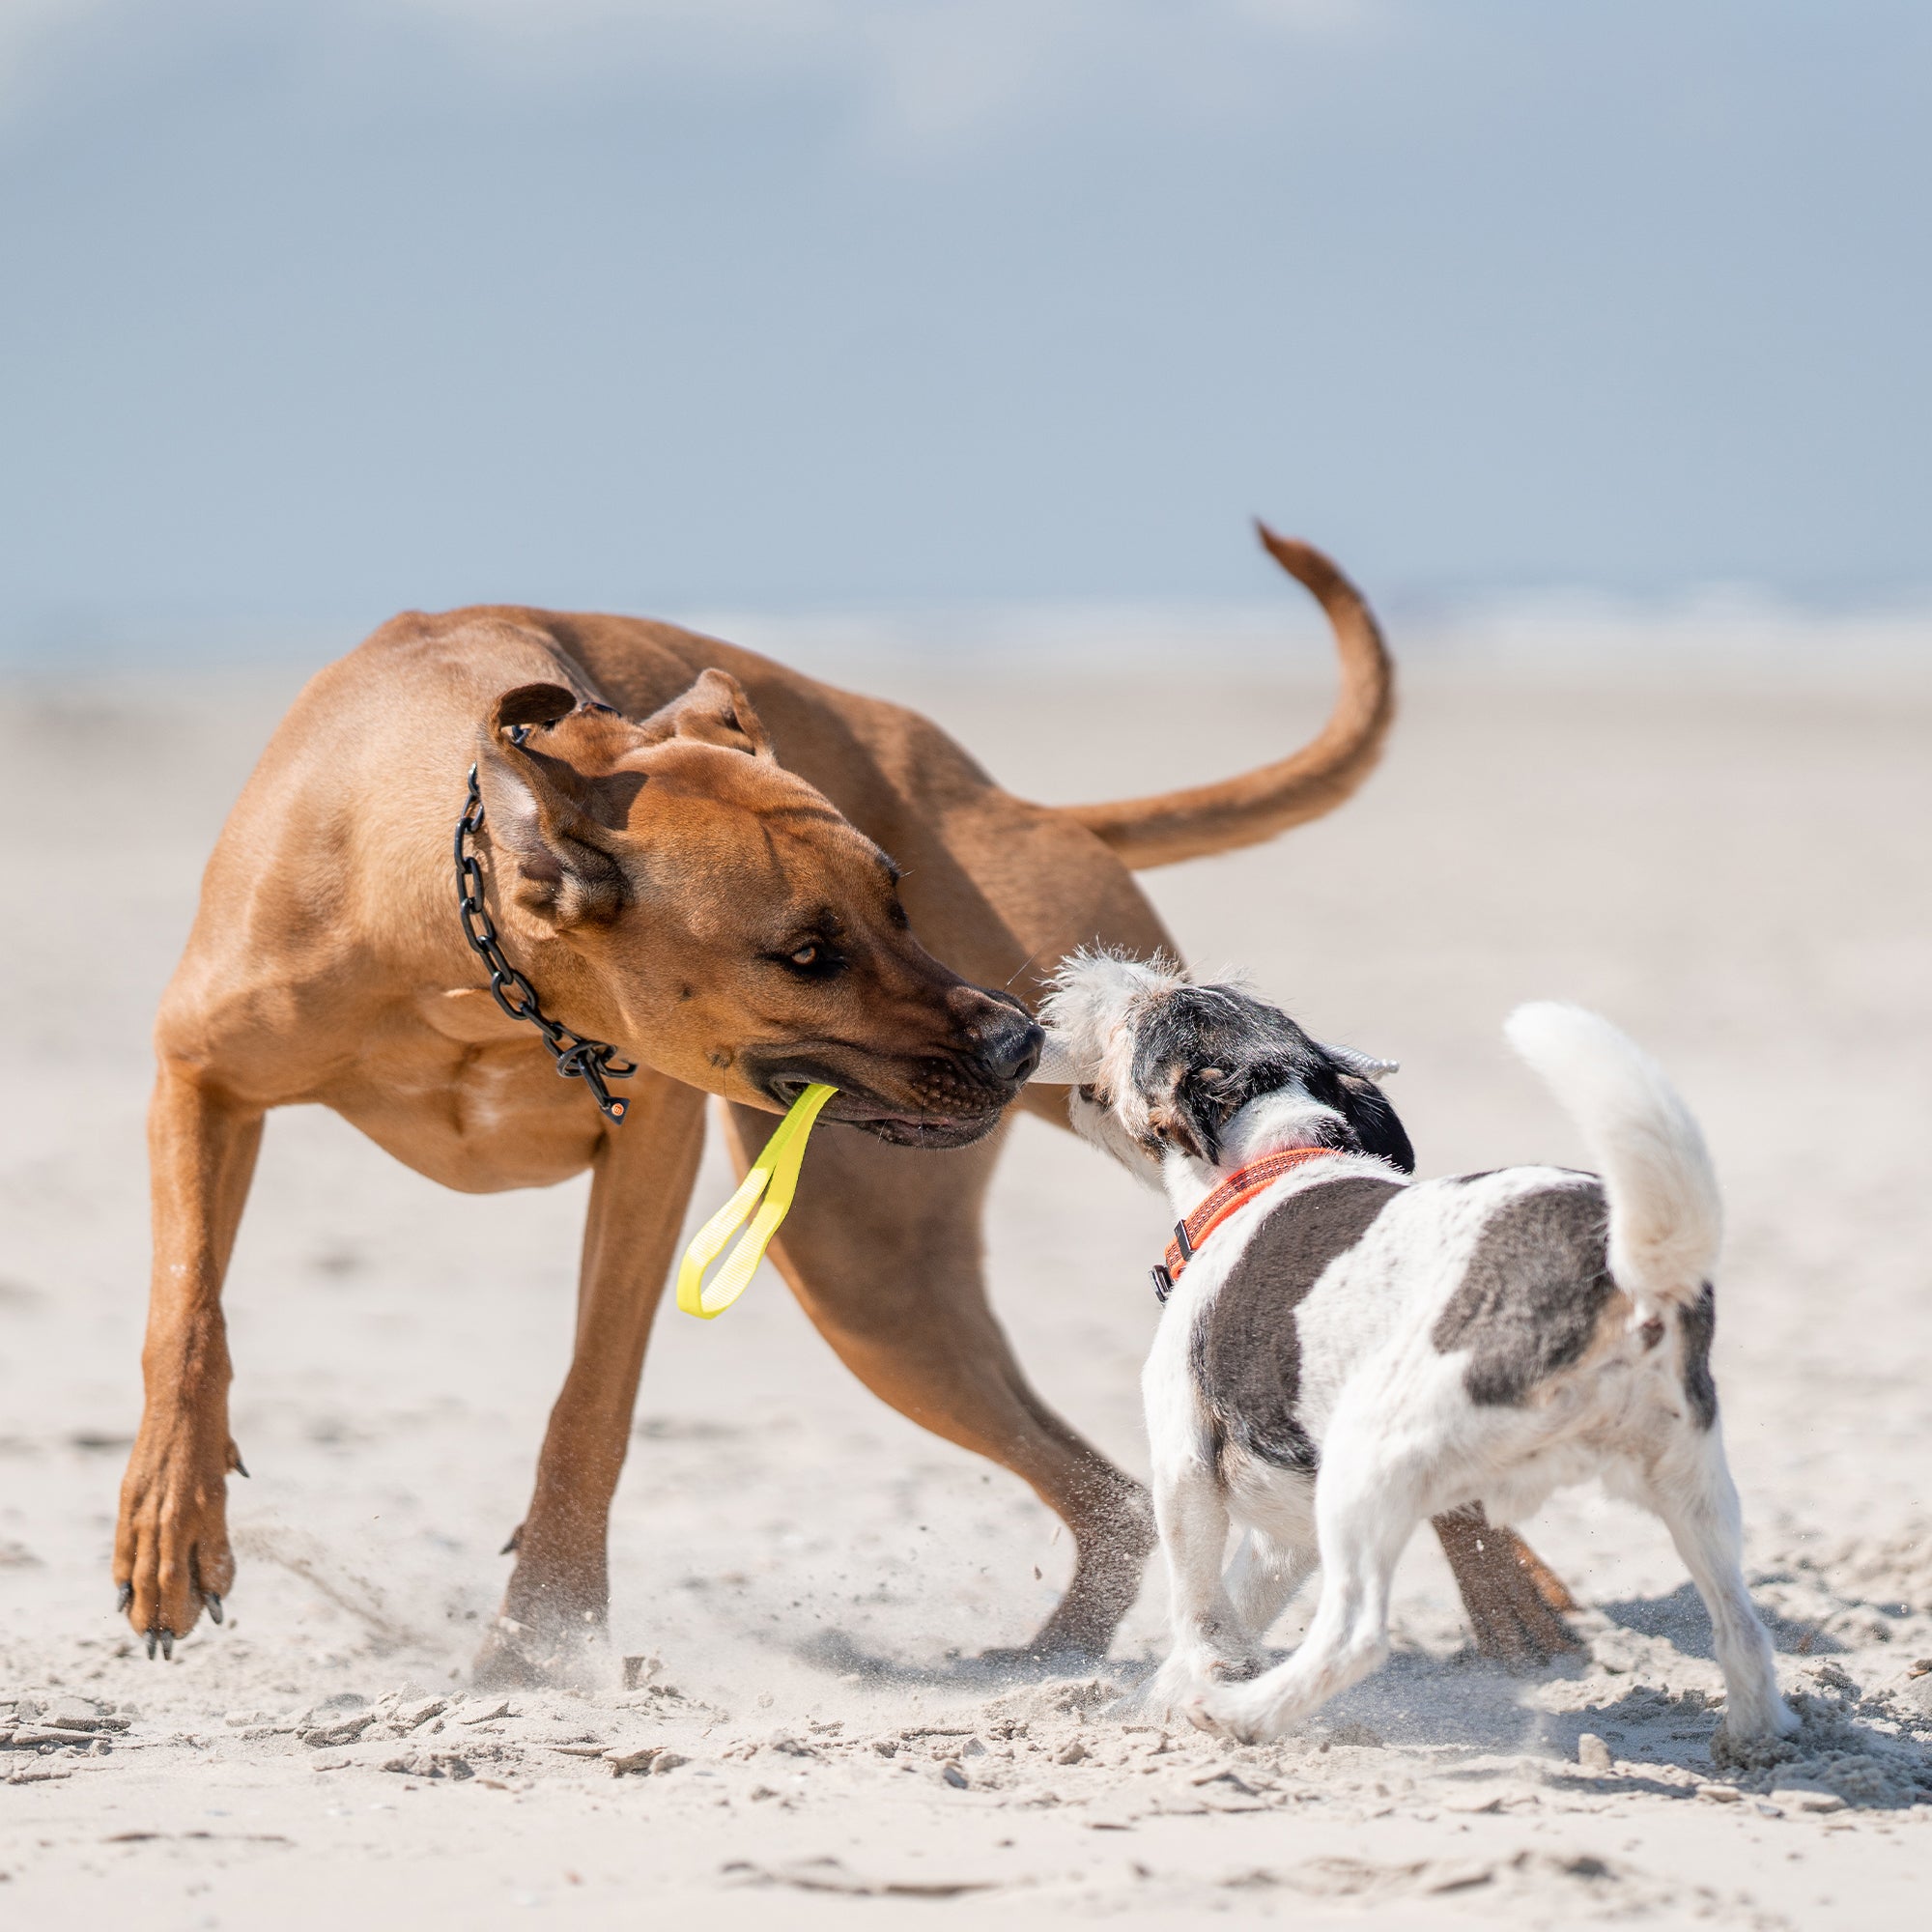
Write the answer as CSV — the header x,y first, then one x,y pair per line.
x,y
1423,1345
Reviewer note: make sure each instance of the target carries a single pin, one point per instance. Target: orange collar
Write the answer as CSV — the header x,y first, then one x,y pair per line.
x,y
1233,1194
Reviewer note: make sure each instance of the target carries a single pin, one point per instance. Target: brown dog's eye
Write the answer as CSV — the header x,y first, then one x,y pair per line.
x,y
816,960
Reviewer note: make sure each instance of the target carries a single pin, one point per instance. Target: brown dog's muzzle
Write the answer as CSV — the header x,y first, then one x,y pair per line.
x,y
943,1098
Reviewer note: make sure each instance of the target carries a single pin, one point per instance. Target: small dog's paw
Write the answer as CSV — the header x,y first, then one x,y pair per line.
x,y
1199,1712
1184,1677
1236,1670
1222,1713
1171,1686
1761,1722
1756,1737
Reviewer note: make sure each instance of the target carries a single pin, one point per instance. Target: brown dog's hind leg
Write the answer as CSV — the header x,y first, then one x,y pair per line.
x,y
882,1251
1514,1597
1549,1586
558,1598
171,1554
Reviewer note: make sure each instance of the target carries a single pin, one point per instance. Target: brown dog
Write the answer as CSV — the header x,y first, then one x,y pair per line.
x,y
664,884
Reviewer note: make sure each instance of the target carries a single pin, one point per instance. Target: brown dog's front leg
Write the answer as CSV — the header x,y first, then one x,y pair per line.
x,y
171,1555
1513,1598
557,1604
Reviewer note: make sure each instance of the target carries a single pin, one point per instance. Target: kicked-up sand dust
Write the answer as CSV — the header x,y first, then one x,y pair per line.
x,y
1732,868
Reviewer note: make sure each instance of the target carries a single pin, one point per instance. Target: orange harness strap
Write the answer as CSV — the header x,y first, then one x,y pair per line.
x,y
1233,1194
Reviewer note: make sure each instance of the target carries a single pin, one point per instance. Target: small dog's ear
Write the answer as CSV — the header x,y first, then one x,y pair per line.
x,y
1180,1125
1374,1123
1191,1117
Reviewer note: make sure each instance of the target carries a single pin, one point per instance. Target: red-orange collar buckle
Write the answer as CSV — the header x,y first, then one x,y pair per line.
x,y
1232,1195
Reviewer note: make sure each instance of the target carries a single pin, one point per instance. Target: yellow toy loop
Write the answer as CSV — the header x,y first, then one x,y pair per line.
x,y
774,1175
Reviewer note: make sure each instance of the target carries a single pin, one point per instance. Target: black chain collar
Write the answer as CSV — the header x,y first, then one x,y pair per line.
x,y
590,1060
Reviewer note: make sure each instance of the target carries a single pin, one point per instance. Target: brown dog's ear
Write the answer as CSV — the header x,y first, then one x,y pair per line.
x,y
531,704
714,711
549,794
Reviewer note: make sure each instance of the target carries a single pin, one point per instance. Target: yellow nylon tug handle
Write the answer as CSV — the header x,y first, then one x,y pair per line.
x,y
774,1175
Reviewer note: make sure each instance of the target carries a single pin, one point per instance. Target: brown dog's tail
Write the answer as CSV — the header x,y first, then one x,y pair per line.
x,y
1244,811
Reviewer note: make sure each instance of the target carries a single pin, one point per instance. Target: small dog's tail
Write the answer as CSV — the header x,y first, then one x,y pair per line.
x,y
1666,1217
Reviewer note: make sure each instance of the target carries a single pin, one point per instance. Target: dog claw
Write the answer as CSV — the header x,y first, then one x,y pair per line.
x,y
122,1597
240,1467
153,1638
213,1604
168,1646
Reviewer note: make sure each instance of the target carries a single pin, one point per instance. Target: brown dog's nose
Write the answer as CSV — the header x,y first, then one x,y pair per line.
x,y
1009,1046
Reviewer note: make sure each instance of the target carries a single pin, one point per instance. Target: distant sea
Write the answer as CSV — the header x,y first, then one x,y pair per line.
x,y
1719,630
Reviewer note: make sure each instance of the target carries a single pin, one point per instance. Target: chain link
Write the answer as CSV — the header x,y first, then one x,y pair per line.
x,y
590,1060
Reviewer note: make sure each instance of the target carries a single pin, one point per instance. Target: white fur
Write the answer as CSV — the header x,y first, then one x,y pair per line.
x,y
1399,1435
1666,1220
1086,1015
1090,999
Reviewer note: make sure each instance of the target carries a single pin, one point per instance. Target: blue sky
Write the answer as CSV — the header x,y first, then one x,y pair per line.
x,y
318,310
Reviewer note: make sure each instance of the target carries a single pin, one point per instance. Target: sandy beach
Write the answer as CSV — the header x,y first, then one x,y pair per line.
x,y
1731,866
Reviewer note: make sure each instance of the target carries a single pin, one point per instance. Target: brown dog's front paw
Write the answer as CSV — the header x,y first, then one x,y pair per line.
x,y
171,1554
517,1657
505,1661
553,1625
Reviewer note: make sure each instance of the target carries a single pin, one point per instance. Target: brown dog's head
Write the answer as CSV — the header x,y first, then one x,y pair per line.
x,y
722,919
